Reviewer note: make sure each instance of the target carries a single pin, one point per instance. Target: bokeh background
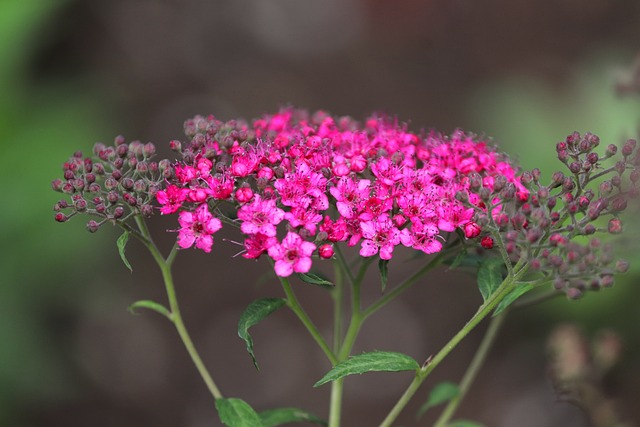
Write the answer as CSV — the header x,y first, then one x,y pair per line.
x,y
73,72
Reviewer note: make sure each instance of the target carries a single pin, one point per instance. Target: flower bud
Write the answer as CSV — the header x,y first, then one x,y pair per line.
x,y
118,212
326,251
614,226
471,230
146,210
60,217
628,147
80,205
486,242
622,266
244,194
575,167
92,226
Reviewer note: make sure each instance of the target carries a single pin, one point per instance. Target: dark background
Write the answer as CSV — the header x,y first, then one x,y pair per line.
x,y
73,72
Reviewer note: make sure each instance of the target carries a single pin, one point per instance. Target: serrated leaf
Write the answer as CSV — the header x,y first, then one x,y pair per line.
x,y
464,423
512,296
490,276
280,416
237,413
383,266
376,361
441,393
252,315
122,244
315,279
151,305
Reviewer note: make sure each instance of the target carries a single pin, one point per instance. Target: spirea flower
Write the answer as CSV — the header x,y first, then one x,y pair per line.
x,y
197,228
316,181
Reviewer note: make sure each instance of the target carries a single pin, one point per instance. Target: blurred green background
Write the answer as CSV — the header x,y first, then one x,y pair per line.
x,y
73,72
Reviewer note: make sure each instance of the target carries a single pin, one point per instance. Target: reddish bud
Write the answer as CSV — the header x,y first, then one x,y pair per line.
x,y
244,194
471,230
614,226
486,242
325,251
60,217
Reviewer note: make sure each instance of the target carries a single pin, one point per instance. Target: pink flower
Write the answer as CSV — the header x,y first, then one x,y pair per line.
x,y
260,216
171,198
292,255
380,235
422,237
349,195
257,244
197,227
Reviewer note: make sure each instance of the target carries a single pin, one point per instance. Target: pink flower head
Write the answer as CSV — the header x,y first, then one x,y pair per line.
x,y
303,188
422,236
292,255
260,216
197,227
349,195
380,235
171,199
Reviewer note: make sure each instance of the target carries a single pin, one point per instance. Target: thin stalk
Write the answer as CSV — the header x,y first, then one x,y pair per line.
x,y
175,316
505,287
335,410
335,406
294,305
472,371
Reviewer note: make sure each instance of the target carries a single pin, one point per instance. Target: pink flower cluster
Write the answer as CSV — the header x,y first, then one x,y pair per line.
x,y
323,180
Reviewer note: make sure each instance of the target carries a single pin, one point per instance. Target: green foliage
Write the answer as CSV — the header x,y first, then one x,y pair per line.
x,y
280,416
520,290
383,267
315,279
376,361
237,413
441,393
490,276
151,305
122,244
252,315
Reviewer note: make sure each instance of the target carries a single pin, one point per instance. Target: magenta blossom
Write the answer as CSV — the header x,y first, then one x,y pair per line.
x,y
380,235
260,216
171,199
197,227
293,254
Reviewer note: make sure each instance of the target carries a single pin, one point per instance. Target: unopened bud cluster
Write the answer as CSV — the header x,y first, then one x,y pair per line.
x,y
116,181
553,225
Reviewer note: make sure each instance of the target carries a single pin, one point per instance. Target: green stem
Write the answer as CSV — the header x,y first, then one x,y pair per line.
x,y
505,287
335,407
473,369
176,317
294,305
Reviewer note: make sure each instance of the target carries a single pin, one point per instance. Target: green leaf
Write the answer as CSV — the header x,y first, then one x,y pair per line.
x,y
376,361
490,276
315,279
441,393
280,416
464,423
237,413
383,266
151,305
252,315
512,296
122,243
